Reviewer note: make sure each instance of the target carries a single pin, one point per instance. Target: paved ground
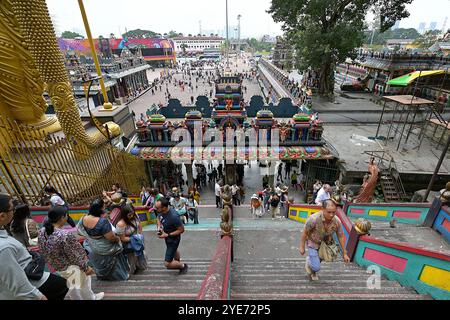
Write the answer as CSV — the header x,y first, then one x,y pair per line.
x,y
144,102
352,140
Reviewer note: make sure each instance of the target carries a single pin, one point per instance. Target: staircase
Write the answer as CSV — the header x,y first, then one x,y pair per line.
x,y
391,185
286,279
157,283
388,187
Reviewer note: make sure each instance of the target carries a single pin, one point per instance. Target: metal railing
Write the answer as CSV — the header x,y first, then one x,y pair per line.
x,y
31,160
217,283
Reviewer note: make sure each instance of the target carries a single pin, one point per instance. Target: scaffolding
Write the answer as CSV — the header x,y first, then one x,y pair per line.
x,y
404,107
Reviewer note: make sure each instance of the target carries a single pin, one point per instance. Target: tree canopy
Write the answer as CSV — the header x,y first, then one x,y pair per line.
x,y
325,32
259,45
140,34
71,35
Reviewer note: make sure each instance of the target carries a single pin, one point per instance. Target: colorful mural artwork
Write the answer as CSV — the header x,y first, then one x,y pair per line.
x,y
426,271
240,153
81,46
411,213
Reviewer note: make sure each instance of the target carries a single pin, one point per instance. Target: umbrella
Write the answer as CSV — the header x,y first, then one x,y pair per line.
x,y
407,79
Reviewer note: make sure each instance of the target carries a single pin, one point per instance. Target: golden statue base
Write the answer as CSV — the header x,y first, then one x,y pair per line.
x,y
103,109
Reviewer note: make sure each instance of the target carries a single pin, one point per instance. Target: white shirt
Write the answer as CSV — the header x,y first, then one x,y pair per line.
x,y
194,172
317,187
234,189
190,204
218,191
322,195
177,205
56,200
278,191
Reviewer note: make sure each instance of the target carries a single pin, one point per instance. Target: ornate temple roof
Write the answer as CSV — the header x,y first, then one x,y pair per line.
x,y
264,114
244,153
193,115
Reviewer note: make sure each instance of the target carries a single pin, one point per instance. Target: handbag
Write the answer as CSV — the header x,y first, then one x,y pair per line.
x,y
328,252
33,242
35,269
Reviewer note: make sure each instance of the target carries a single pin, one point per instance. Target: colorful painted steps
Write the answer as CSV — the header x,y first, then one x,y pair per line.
x,y
286,279
157,283
411,213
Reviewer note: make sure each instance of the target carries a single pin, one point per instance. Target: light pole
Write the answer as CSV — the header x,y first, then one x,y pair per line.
x,y
106,105
239,35
228,41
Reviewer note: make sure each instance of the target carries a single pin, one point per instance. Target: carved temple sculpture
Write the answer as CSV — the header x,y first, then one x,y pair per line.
x,y
31,63
369,185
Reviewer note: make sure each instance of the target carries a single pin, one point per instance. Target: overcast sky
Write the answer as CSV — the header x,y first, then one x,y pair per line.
x,y
113,16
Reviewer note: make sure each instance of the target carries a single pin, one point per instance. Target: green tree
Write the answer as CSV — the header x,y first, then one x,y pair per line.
x,y
70,35
172,34
259,45
428,39
325,32
139,34
183,47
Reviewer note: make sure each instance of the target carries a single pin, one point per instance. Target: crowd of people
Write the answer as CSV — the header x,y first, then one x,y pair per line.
x,y
107,242
197,77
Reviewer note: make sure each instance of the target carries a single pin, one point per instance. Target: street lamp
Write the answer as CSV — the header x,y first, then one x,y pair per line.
x,y
239,35
106,105
228,41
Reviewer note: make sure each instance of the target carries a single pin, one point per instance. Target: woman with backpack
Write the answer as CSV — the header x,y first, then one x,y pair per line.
x,y
64,253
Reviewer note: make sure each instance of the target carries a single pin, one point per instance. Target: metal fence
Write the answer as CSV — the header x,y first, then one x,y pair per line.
x,y
31,159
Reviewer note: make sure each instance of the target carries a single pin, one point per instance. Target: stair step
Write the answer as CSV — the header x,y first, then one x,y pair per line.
x,y
326,296
151,280
302,276
152,289
313,287
151,296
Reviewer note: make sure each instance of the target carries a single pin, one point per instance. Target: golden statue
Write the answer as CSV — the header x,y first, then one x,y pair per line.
x,y
226,226
32,62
